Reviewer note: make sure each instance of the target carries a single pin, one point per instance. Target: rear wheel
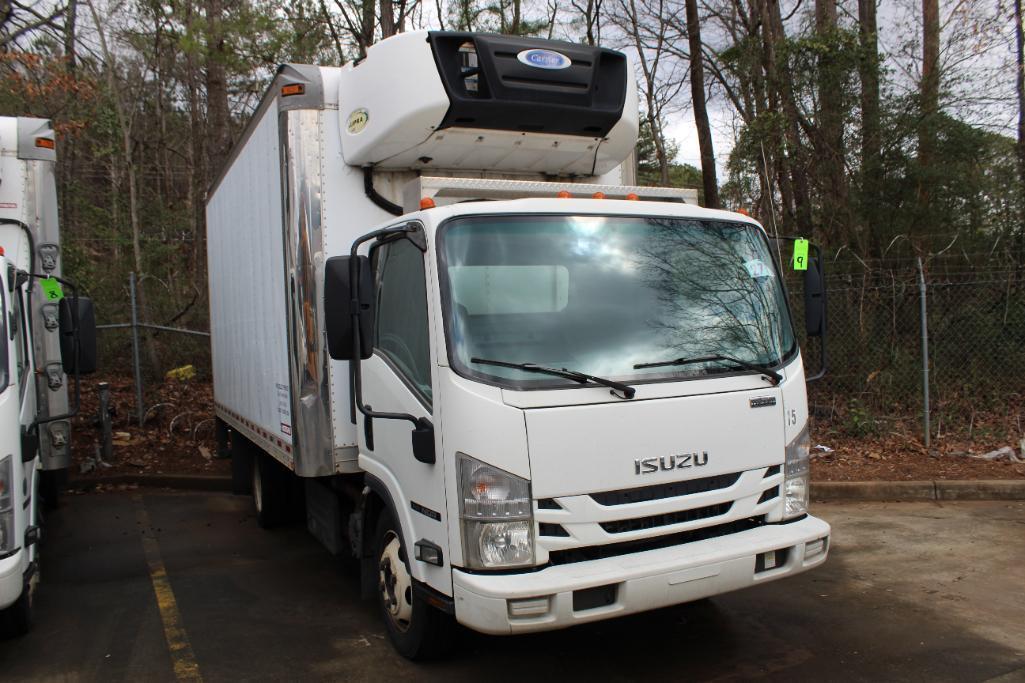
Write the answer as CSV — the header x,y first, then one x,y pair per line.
x,y
269,491
417,630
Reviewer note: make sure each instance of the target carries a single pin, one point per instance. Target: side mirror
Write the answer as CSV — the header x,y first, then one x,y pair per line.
x,y
338,299
78,328
815,297
423,441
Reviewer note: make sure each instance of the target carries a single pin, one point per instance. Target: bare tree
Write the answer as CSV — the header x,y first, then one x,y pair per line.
x,y
589,13
18,19
1020,63
868,72
125,124
218,128
709,180
829,141
647,27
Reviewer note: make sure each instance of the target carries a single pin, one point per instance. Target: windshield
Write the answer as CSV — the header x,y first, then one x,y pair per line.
x,y
599,294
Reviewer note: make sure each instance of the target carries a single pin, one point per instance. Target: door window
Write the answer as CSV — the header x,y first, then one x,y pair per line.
x,y
401,333
20,342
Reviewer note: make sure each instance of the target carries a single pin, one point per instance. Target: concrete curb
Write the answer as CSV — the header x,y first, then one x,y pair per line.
x,y
983,489
185,482
987,489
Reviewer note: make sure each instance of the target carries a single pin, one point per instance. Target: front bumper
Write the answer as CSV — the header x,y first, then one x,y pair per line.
x,y
12,577
642,581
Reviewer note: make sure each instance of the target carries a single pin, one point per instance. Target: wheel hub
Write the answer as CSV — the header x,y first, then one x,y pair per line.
x,y
395,584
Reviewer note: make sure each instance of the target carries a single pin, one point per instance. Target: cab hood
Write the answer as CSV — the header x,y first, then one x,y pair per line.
x,y
582,449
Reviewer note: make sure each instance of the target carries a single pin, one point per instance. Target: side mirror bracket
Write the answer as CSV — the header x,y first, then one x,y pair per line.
x,y
348,293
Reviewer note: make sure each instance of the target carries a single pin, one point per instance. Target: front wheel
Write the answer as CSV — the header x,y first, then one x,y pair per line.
x,y
16,619
417,630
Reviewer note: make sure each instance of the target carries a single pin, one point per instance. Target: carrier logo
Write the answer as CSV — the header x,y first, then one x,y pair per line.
x,y
544,59
670,462
358,120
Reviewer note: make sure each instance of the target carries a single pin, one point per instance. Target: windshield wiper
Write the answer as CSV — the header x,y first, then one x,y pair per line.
x,y
772,375
626,391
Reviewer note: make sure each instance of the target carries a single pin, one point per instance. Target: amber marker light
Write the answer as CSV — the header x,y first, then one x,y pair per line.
x,y
427,203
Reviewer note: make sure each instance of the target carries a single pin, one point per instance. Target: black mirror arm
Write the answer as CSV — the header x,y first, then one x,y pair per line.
x,y
825,326
355,370
78,384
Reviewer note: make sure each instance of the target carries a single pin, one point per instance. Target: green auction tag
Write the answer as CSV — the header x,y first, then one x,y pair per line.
x,y
801,254
51,289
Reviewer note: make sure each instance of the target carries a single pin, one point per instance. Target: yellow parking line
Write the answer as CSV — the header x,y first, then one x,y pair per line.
x,y
182,657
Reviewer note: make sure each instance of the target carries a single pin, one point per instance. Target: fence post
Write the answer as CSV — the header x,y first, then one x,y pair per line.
x,y
106,447
139,408
925,353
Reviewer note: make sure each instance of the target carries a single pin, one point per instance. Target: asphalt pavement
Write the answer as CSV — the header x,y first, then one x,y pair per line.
x,y
162,586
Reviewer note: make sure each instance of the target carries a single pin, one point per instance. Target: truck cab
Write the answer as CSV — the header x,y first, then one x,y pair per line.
x,y
616,399
19,458
47,339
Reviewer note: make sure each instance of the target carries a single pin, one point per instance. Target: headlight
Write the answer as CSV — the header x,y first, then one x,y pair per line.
x,y
6,505
795,483
495,515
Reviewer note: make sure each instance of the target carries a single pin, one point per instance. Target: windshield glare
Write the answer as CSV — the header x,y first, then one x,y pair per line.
x,y
599,294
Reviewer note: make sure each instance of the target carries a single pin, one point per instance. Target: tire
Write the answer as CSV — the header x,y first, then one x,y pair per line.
x,y
50,484
417,630
269,491
242,457
16,620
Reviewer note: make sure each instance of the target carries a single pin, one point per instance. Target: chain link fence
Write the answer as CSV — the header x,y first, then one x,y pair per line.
x,y
177,344
960,369
934,343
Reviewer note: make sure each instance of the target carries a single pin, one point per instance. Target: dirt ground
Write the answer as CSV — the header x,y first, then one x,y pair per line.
x,y
900,455
178,438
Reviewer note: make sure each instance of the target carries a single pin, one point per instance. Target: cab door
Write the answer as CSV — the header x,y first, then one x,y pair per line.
x,y
399,378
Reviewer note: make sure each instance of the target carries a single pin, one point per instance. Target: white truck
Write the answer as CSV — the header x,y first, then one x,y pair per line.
x,y
523,393
47,337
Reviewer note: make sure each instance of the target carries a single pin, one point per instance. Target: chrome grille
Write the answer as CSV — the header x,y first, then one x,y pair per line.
x,y
607,523
623,525
660,491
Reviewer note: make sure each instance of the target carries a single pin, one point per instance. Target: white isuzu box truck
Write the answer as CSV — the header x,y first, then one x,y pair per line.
x,y
524,394
46,336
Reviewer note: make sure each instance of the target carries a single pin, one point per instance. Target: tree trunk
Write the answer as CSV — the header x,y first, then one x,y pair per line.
x,y
930,104
649,70
871,139
196,158
1020,40
367,21
793,177
515,25
218,127
387,19
830,144
335,40
70,21
125,127
697,89
930,87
